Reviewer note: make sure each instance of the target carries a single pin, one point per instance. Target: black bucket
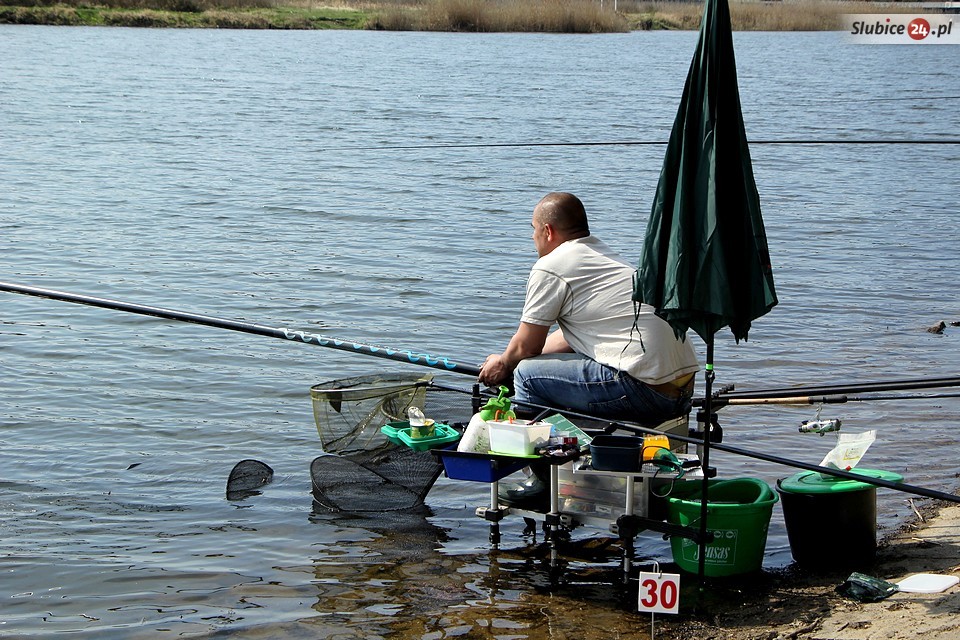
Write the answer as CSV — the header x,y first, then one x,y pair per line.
x,y
831,522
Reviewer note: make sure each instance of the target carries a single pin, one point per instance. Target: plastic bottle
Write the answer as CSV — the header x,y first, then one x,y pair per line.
x,y
420,426
498,408
416,417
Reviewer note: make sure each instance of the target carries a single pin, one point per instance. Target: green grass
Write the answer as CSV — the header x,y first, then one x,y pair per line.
x,y
235,19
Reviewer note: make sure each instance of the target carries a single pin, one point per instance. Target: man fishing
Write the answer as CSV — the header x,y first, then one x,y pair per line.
x,y
610,358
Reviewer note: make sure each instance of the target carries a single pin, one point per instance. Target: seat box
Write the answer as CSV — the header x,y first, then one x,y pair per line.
x,y
598,495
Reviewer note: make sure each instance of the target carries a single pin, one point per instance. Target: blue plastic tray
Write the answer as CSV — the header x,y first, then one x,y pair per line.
x,y
479,467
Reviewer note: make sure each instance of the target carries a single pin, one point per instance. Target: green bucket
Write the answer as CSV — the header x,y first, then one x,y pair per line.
x,y
738,515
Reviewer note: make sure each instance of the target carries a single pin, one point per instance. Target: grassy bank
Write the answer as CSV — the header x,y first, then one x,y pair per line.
x,y
556,16
222,14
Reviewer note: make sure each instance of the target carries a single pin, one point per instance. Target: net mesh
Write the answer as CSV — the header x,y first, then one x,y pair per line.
x,y
246,478
363,470
390,481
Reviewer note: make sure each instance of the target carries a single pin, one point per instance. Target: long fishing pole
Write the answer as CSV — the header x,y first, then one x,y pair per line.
x,y
748,453
412,357
641,143
840,399
898,486
787,462
839,389
400,355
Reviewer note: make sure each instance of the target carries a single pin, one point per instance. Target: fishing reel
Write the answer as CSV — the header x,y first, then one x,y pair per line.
x,y
820,426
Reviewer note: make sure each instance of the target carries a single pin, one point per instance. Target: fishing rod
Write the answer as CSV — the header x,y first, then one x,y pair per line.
x,y
613,425
412,357
897,486
787,462
837,399
640,143
834,390
399,355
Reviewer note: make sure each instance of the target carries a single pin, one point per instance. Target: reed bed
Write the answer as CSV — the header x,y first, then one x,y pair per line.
x,y
557,16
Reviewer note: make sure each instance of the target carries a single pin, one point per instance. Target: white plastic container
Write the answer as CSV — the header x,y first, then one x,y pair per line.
x,y
517,438
927,583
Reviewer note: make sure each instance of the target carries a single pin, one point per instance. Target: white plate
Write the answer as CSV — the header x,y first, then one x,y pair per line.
x,y
927,583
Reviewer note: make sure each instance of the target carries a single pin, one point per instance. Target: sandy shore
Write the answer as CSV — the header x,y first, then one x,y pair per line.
x,y
798,605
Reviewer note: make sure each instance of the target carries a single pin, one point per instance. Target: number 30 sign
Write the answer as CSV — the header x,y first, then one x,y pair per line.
x,y
659,592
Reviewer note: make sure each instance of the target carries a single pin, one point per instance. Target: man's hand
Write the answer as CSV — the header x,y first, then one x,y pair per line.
x,y
527,342
493,371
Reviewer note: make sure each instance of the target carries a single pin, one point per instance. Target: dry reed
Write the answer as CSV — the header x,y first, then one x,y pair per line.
x,y
560,16
556,16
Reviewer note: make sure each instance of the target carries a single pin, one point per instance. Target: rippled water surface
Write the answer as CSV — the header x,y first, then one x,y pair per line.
x,y
255,176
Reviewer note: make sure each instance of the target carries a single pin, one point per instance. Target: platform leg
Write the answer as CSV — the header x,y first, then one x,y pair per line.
x,y
494,507
629,553
627,540
553,517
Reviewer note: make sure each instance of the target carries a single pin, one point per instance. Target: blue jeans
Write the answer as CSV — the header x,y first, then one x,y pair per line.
x,y
575,382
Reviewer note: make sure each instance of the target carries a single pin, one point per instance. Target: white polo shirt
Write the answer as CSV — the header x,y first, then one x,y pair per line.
x,y
586,288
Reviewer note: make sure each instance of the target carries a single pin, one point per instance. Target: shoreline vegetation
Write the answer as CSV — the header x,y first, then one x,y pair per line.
x,y
538,16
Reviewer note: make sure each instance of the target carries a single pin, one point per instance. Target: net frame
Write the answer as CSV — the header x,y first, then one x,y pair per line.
x,y
361,469
349,412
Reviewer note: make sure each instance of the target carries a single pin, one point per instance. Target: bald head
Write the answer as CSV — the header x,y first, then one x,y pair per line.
x,y
564,213
558,217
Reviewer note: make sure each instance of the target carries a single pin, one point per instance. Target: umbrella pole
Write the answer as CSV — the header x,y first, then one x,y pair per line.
x,y
707,424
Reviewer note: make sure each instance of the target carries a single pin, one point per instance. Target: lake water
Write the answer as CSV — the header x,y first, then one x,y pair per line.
x,y
255,176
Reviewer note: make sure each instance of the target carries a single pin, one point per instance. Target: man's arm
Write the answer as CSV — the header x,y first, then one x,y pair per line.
x,y
528,341
556,343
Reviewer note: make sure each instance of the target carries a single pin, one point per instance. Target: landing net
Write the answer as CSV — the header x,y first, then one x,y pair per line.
x,y
362,470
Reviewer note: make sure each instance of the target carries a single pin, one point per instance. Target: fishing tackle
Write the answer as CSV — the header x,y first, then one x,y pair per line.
x,y
820,426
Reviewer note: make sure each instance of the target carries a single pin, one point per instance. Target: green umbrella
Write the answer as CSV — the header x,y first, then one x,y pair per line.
x,y
705,261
